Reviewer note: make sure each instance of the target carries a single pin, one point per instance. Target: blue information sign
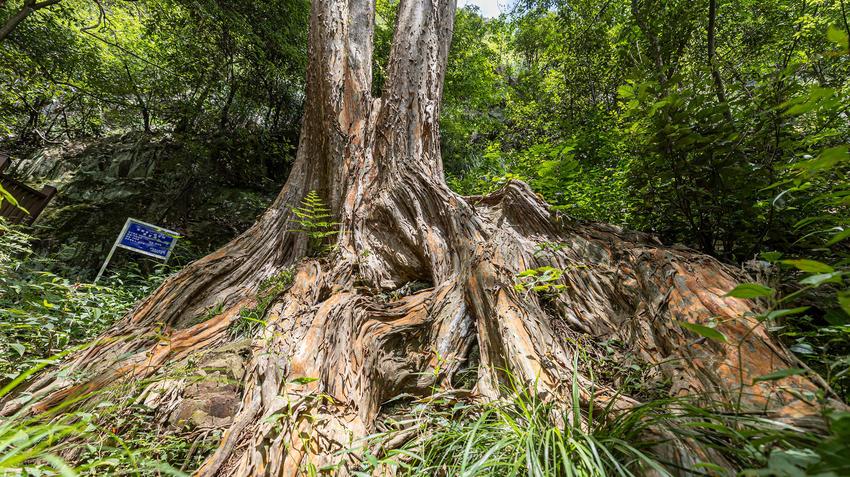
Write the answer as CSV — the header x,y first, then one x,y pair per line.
x,y
147,239
142,238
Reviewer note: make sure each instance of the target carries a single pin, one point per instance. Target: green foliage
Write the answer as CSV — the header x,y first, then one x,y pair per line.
x,y
705,332
42,313
812,310
827,458
385,15
252,319
812,314
519,436
70,441
525,434
276,284
83,68
134,444
613,113
541,280
96,435
7,196
750,290
315,221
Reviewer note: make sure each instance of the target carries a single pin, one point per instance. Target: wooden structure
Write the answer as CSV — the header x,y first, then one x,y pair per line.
x,y
32,200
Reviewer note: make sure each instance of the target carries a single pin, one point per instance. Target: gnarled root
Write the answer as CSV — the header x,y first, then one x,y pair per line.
x,y
336,345
364,351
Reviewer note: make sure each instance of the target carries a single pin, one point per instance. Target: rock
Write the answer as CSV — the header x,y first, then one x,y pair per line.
x,y
210,396
180,183
206,406
234,366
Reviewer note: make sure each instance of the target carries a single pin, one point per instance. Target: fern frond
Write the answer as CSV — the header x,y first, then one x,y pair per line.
x,y
314,219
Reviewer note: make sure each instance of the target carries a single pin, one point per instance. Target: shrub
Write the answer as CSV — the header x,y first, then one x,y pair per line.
x,y
42,313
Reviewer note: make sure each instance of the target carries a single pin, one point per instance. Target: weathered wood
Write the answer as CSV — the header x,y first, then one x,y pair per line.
x,y
33,201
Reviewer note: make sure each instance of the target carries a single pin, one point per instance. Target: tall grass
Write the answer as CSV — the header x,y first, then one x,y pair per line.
x,y
42,313
527,435
72,439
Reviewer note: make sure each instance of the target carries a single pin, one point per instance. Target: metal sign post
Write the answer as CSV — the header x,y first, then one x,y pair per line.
x,y
144,238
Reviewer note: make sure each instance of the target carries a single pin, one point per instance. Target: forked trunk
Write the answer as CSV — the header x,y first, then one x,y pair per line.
x,y
376,161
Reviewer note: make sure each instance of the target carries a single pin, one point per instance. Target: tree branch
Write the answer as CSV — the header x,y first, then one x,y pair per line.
x,y
25,11
719,90
44,4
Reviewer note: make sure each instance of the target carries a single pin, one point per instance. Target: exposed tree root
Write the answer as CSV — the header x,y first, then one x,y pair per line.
x,y
361,351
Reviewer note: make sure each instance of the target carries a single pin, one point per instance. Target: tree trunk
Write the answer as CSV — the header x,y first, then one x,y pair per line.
x,y
719,89
140,101
376,162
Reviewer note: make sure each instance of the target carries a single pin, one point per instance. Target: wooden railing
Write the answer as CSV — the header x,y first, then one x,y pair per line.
x,y
33,200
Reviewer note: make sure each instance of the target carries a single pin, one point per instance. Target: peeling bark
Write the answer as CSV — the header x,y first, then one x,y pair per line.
x,y
377,163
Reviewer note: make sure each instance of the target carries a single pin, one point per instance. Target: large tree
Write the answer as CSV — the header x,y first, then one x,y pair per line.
x,y
376,162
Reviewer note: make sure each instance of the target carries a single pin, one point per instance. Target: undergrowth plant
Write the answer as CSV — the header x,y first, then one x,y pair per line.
x,y
315,220
42,313
527,434
521,435
252,319
70,439
790,312
7,196
147,446
541,280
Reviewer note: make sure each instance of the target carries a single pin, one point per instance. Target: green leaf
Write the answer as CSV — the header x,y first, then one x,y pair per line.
x,y
750,290
771,257
6,195
19,348
811,266
705,331
780,374
828,158
802,348
59,465
838,237
844,300
709,466
786,312
304,380
838,35
837,317
821,278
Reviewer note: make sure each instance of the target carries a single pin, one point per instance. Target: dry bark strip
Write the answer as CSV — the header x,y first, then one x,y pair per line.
x,y
376,161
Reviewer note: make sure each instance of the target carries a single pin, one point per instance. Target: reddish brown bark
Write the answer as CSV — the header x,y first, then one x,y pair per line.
x,y
377,163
